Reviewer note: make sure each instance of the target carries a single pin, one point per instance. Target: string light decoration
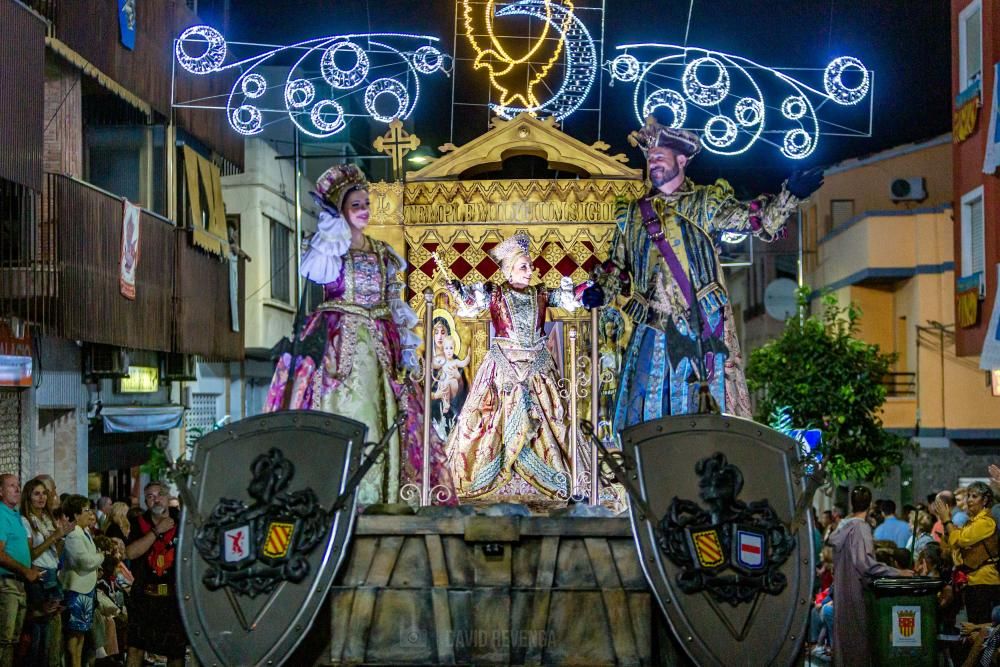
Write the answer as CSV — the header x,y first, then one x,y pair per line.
x,y
315,104
517,80
727,98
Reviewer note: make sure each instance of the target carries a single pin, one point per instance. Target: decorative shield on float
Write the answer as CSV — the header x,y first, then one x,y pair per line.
x,y
270,516
717,496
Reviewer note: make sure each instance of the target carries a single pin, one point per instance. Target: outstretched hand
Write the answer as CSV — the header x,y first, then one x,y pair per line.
x,y
994,472
803,183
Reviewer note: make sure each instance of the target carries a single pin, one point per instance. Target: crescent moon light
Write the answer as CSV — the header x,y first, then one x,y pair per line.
x,y
580,60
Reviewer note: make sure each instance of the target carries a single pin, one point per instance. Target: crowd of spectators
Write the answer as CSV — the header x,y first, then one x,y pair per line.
x,y
952,538
87,582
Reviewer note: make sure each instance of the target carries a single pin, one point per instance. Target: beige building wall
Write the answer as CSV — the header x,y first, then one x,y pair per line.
x,y
895,260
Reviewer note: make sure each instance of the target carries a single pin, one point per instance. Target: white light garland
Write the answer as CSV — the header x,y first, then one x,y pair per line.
x,y
666,99
833,80
720,131
734,112
299,93
202,50
319,116
749,112
213,56
340,78
705,94
794,107
389,87
254,86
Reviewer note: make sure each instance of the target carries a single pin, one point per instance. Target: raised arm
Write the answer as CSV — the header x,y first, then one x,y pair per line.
x,y
568,296
764,216
472,299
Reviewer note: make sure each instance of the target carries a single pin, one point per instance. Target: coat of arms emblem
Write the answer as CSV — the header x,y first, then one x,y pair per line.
x,y
251,548
732,549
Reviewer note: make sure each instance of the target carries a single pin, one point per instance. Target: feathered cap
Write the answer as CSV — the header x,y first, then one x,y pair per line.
x,y
653,134
338,181
511,248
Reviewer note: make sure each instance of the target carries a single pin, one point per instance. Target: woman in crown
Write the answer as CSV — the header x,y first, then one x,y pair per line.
x,y
360,341
509,442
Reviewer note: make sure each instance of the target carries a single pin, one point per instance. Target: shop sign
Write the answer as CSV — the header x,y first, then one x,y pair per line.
x,y
15,358
129,259
140,380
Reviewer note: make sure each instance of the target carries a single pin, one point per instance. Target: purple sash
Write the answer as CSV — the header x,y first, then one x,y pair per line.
x,y
655,232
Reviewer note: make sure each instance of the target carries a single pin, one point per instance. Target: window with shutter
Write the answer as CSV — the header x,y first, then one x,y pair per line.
x,y
280,262
973,233
841,210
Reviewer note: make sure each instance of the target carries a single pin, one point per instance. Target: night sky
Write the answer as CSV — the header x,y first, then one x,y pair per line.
x,y
906,42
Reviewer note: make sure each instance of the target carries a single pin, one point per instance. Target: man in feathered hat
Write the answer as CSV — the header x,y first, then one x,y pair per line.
x,y
664,257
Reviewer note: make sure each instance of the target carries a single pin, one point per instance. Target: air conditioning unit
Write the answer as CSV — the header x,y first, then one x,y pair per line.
x,y
179,367
105,361
908,189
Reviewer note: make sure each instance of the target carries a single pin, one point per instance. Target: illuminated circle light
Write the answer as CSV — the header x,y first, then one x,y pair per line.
x,y
733,237
749,112
246,120
213,56
254,85
391,87
625,68
319,114
705,94
341,78
794,107
664,98
720,131
299,93
797,144
428,60
833,81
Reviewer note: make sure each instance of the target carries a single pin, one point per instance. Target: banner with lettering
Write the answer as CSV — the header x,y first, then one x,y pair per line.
x,y
966,113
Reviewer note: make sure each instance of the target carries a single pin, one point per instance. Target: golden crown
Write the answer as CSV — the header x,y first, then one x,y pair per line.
x,y
508,249
337,181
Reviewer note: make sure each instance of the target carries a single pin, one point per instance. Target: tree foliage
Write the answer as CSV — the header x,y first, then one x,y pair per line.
x,y
830,380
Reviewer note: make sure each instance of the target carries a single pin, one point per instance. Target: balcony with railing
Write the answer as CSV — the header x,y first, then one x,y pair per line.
x,y
63,274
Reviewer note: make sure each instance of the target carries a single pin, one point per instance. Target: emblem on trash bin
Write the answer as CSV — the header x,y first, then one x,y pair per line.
x,y
733,550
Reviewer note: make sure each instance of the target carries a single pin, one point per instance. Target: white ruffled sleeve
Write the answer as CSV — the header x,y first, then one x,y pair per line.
x,y
323,259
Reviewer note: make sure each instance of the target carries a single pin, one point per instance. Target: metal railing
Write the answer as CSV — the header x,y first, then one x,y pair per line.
x,y
900,384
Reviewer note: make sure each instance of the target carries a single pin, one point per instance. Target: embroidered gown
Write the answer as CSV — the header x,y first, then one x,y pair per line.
x,y
679,305
510,440
361,376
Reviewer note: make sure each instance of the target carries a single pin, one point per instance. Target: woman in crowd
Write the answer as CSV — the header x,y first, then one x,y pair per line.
x,y
117,525
922,531
109,604
360,339
510,442
45,535
977,546
81,560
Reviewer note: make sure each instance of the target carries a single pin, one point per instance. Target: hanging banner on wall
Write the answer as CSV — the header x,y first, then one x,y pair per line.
x,y
966,113
968,291
990,358
126,23
992,159
129,261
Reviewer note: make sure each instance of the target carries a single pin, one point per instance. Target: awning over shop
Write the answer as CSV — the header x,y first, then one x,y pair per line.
x,y
132,419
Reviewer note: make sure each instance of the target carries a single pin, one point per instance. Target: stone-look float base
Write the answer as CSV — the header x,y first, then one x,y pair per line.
x,y
492,590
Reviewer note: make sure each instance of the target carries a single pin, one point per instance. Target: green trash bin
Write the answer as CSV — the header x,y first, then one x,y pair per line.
x,y
902,613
